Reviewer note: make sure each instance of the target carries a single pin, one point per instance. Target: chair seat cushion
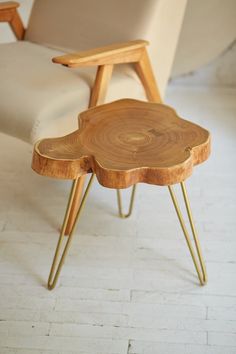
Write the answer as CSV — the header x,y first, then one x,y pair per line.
x,y
40,99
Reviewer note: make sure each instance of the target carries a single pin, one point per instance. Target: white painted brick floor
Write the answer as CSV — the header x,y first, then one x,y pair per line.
x,y
128,286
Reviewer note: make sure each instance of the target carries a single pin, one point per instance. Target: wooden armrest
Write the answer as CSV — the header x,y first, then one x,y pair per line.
x,y
9,5
127,52
9,13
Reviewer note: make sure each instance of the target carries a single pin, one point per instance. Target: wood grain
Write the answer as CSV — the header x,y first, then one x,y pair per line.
x,y
126,142
127,52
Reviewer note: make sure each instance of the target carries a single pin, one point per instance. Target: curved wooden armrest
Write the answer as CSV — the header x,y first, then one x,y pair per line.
x,y
9,13
127,52
8,5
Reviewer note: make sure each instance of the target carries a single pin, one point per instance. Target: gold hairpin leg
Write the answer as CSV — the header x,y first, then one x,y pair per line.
x,y
201,271
54,273
121,214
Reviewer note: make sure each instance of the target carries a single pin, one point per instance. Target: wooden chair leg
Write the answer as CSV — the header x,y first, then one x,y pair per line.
x,y
145,73
75,204
97,97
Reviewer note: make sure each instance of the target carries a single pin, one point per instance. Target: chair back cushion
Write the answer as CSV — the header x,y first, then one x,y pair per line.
x,y
84,24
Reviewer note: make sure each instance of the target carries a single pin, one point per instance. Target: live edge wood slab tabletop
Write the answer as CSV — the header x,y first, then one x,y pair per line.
x,y
126,142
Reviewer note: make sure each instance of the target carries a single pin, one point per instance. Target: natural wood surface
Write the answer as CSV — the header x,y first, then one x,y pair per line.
x,y
127,52
8,13
126,142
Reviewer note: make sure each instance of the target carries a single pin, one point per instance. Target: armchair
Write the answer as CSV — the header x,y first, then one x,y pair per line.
x,y
40,99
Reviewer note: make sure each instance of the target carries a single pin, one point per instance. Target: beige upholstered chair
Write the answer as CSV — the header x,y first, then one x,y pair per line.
x,y
39,99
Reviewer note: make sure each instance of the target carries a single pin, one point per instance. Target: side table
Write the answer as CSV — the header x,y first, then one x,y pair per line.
x,y
124,143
